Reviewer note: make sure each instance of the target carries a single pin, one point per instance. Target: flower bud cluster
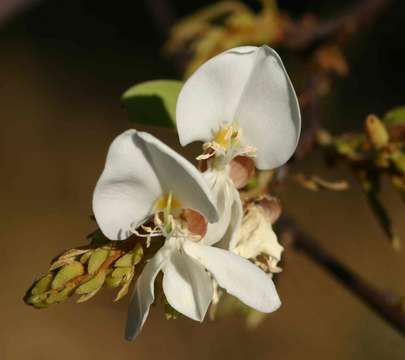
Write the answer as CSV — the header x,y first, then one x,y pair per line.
x,y
85,271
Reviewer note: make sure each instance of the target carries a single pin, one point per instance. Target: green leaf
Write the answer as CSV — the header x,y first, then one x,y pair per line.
x,y
395,116
153,102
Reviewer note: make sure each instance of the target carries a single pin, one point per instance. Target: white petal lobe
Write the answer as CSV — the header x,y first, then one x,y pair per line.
x,y
237,276
229,208
143,297
127,188
221,189
187,286
229,239
268,111
209,98
248,85
139,169
177,174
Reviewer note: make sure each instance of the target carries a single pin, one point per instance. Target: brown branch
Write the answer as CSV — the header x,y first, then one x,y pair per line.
x,y
388,310
360,14
339,29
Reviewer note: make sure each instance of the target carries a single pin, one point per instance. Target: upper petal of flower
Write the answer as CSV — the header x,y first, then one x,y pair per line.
x,y
237,276
248,85
187,286
140,168
143,296
178,175
268,111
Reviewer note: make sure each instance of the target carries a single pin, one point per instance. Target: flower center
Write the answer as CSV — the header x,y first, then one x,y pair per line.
x,y
224,135
167,202
168,221
227,144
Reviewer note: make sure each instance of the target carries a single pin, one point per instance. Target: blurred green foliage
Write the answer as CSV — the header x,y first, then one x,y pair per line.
x,y
153,102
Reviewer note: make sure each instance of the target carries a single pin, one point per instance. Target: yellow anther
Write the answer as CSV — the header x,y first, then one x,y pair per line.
x,y
162,203
224,135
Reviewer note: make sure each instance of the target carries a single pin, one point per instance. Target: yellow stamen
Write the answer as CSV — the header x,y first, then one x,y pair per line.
x,y
224,135
165,201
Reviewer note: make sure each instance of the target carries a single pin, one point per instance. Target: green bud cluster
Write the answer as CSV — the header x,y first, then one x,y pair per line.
x,y
85,271
377,151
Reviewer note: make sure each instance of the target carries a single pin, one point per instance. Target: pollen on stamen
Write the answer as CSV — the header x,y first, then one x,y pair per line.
x,y
163,202
224,136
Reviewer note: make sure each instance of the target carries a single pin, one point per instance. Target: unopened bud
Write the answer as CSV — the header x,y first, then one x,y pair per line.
x,y
59,296
42,284
113,282
121,272
96,259
93,284
38,301
323,137
132,258
85,257
138,254
125,260
398,159
376,132
67,273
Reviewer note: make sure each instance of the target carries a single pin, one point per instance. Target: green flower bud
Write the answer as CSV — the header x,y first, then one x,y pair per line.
x,y
398,159
121,272
57,297
96,260
42,284
324,138
376,132
38,301
126,281
125,260
138,254
131,258
113,282
85,257
67,273
92,285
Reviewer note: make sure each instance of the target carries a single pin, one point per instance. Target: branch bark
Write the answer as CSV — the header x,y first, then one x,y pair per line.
x,y
389,310
360,14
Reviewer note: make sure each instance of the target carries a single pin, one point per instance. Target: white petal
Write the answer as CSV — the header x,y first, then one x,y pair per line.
x,y
237,276
139,169
221,189
248,85
231,236
178,175
187,286
211,95
143,296
229,208
127,188
268,112
256,236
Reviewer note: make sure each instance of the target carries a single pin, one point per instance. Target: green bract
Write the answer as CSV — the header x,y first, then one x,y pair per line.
x,y
395,116
153,102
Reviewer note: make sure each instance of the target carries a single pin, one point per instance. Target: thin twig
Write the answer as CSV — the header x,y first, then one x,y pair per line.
x,y
360,14
339,29
389,311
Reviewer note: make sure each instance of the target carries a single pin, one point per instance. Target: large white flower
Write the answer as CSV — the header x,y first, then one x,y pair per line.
x,y
145,180
239,103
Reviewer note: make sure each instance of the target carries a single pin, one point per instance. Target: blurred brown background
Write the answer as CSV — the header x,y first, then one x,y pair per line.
x,y
63,66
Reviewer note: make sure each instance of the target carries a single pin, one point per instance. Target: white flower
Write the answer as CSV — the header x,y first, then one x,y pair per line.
x,y
239,103
144,179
